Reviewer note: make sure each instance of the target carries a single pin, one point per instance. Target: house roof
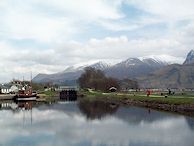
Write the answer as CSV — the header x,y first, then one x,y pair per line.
x,y
112,88
5,86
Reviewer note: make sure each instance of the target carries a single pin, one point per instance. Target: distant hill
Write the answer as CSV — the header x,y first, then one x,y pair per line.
x,y
150,72
70,74
130,68
134,67
171,76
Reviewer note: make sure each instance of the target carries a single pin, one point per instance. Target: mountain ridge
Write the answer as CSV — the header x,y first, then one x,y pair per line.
x,y
150,72
189,58
171,76
72,72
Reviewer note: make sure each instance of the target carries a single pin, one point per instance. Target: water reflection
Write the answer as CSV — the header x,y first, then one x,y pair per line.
x,y
10,105
97,109
64,124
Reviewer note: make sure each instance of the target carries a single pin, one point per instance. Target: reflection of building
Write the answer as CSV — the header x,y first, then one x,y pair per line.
x,y
9,105
24,107
16,106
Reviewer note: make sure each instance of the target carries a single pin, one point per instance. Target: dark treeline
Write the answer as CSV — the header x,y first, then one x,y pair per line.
x,y
127,84
97,80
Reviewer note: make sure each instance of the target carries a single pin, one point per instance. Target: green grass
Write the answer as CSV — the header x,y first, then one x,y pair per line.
x,y
50,93
48,96
173,99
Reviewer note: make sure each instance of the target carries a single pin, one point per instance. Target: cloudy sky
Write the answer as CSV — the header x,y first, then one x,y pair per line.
x,y
48,35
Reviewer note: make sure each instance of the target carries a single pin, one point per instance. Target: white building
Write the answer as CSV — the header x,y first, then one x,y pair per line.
x,y
6,89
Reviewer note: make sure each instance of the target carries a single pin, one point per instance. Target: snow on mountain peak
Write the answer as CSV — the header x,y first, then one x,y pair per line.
x,y
129,62
100,65
165,59
79,67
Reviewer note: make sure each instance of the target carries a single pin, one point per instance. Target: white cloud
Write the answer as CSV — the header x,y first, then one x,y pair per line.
x,y
51,20
55,22
172,10
170,13
19,25
70,53
89,9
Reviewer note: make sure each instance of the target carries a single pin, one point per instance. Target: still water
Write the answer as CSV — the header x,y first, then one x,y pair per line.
x,y
91,124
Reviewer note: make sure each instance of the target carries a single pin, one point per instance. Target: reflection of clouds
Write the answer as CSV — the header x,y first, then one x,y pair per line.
x,y
52,127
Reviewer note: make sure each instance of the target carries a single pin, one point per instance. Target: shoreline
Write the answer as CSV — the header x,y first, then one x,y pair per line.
x,y
183,106
162,105
6,96
40,97
185,109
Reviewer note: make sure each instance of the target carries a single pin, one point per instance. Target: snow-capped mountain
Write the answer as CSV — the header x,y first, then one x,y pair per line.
x,y
134,67
150,72
70,73
129,68
168,59
98,65
152,60
129,62
190,58
171,76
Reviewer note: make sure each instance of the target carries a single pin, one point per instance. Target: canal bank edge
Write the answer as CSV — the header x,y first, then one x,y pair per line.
x,y
178,105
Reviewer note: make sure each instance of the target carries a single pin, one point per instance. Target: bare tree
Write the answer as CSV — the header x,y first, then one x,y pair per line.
x,y
96,79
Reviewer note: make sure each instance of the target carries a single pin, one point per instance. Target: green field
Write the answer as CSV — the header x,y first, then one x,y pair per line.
x,y
187,98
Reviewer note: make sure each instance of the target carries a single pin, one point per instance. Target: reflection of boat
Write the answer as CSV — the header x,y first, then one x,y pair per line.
x,y
8,105
25,105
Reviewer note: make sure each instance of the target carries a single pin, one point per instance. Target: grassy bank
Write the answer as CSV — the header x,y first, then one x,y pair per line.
x,y
183,104
172,99
48,96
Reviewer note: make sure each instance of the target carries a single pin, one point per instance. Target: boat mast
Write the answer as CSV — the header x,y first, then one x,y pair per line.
x,y
31,84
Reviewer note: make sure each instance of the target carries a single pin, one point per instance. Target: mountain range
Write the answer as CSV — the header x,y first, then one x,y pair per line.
x,y
150,72
69,75
171,76
130,68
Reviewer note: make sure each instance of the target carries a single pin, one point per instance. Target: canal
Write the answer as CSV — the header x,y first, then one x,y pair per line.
x,y
91,123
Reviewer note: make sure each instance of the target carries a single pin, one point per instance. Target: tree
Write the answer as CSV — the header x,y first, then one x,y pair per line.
x,y
37,86
127,84
96,79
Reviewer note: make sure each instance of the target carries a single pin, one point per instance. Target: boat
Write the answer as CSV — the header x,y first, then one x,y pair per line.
x,y
25,93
